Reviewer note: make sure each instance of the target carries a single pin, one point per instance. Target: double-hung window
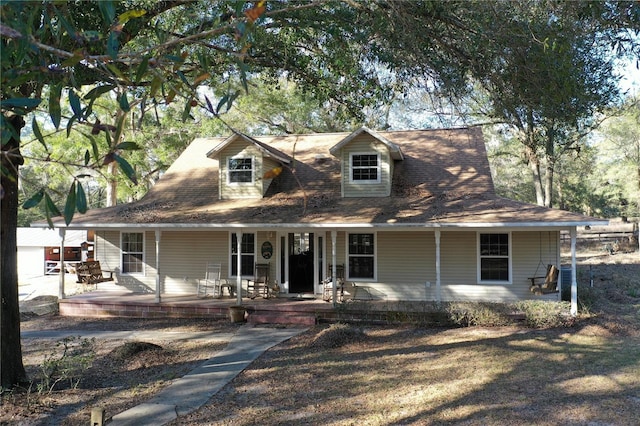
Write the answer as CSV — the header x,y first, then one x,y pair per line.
x,y
361,256
365,168
240,170
132,252
247,254
494,257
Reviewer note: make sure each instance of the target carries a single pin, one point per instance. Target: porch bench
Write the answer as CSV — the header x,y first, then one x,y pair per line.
x,y
90,272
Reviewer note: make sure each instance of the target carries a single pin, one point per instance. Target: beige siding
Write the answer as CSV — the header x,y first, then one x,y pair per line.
x,y
240,148
268,164
364,144
184,257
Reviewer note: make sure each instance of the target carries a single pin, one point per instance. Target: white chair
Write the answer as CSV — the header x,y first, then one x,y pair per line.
x,y
211,281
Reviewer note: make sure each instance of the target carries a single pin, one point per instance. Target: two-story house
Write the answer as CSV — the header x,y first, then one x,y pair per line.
x,y
408,215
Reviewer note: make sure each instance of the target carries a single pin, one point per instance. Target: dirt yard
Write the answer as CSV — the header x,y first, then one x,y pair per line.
x,y
374,375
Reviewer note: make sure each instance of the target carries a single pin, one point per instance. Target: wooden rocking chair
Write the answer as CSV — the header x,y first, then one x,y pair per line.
x,y
547,284
259,285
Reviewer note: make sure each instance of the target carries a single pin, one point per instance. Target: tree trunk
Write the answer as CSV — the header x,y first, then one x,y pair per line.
x,y
11,368
534,164
548,184
112,185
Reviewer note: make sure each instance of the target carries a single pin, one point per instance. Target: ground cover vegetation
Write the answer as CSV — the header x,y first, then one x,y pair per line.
x,y
482,367
545,69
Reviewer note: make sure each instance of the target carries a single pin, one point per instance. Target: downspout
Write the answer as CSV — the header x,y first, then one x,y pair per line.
x,y
574,281
334,268
239,267
158,280
438,281
61,295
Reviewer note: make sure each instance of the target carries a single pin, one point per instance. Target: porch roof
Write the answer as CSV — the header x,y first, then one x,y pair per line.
x,y
443,181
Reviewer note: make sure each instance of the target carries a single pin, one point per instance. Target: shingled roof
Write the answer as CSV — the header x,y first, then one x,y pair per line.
x,y
442,179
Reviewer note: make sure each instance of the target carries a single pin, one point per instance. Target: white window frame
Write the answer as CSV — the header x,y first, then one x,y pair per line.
x,y
509,258
374,256
252,170
231,248
378,168
123,253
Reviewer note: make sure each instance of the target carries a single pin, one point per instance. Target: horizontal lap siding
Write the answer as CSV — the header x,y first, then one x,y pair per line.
x,y
532,252
184,257
406,261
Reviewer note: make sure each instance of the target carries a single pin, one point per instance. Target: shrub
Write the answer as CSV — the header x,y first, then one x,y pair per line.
x,y
337,335
541,313
68,360
479,314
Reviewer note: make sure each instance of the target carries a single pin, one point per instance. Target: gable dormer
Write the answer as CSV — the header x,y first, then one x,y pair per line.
x,y
243,163
366,160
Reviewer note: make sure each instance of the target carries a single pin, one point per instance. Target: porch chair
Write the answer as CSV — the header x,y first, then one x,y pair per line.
x,y
259,285
327,293
211,282
547,284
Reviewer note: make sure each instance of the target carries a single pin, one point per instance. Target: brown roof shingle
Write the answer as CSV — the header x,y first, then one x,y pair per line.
x,y
443,180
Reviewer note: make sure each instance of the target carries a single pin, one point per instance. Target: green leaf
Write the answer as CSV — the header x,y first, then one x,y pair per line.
x,y
74,100
87,157
124,103
98,91
128,146
156,83
27,103
113,45
70,205
223,101
108,11
38,133
50,205
126,168
81,199
142,69
125,17
183,78
55,112
34,200
186,113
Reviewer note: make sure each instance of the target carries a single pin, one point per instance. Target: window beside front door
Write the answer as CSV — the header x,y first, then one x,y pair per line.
x,y
494,258
365,168
132,244
240,170
247,254
361,252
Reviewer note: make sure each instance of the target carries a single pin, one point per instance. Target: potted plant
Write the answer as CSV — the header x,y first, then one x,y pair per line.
x,y
237,313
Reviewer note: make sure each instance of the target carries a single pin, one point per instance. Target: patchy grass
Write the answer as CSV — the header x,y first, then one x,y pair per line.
x,y
407,375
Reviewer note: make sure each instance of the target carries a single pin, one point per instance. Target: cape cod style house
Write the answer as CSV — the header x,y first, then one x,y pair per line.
x,y
407,215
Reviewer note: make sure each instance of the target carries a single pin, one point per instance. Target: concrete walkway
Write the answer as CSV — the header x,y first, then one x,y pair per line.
x,y
192,391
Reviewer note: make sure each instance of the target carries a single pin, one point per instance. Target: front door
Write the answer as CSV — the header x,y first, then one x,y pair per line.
x,y
300,251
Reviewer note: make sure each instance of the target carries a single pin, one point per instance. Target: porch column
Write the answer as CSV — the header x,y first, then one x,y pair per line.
x,y
574,281
438,289
158,280
334,267
239,267
61,295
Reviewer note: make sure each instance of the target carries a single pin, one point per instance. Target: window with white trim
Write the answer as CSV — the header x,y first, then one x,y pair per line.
x,y
247,254
365,168
132,246
361,252
240,170
494,257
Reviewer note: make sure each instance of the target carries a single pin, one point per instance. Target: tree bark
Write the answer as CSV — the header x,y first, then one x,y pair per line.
x,y
534,165
12,370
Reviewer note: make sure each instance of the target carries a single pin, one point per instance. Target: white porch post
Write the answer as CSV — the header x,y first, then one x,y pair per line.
x,y
158,278
574,281
61,294
438,289
334,267
239,267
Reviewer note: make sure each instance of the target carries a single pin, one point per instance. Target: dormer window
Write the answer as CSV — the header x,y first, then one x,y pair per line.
x,y
365,168
240,170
